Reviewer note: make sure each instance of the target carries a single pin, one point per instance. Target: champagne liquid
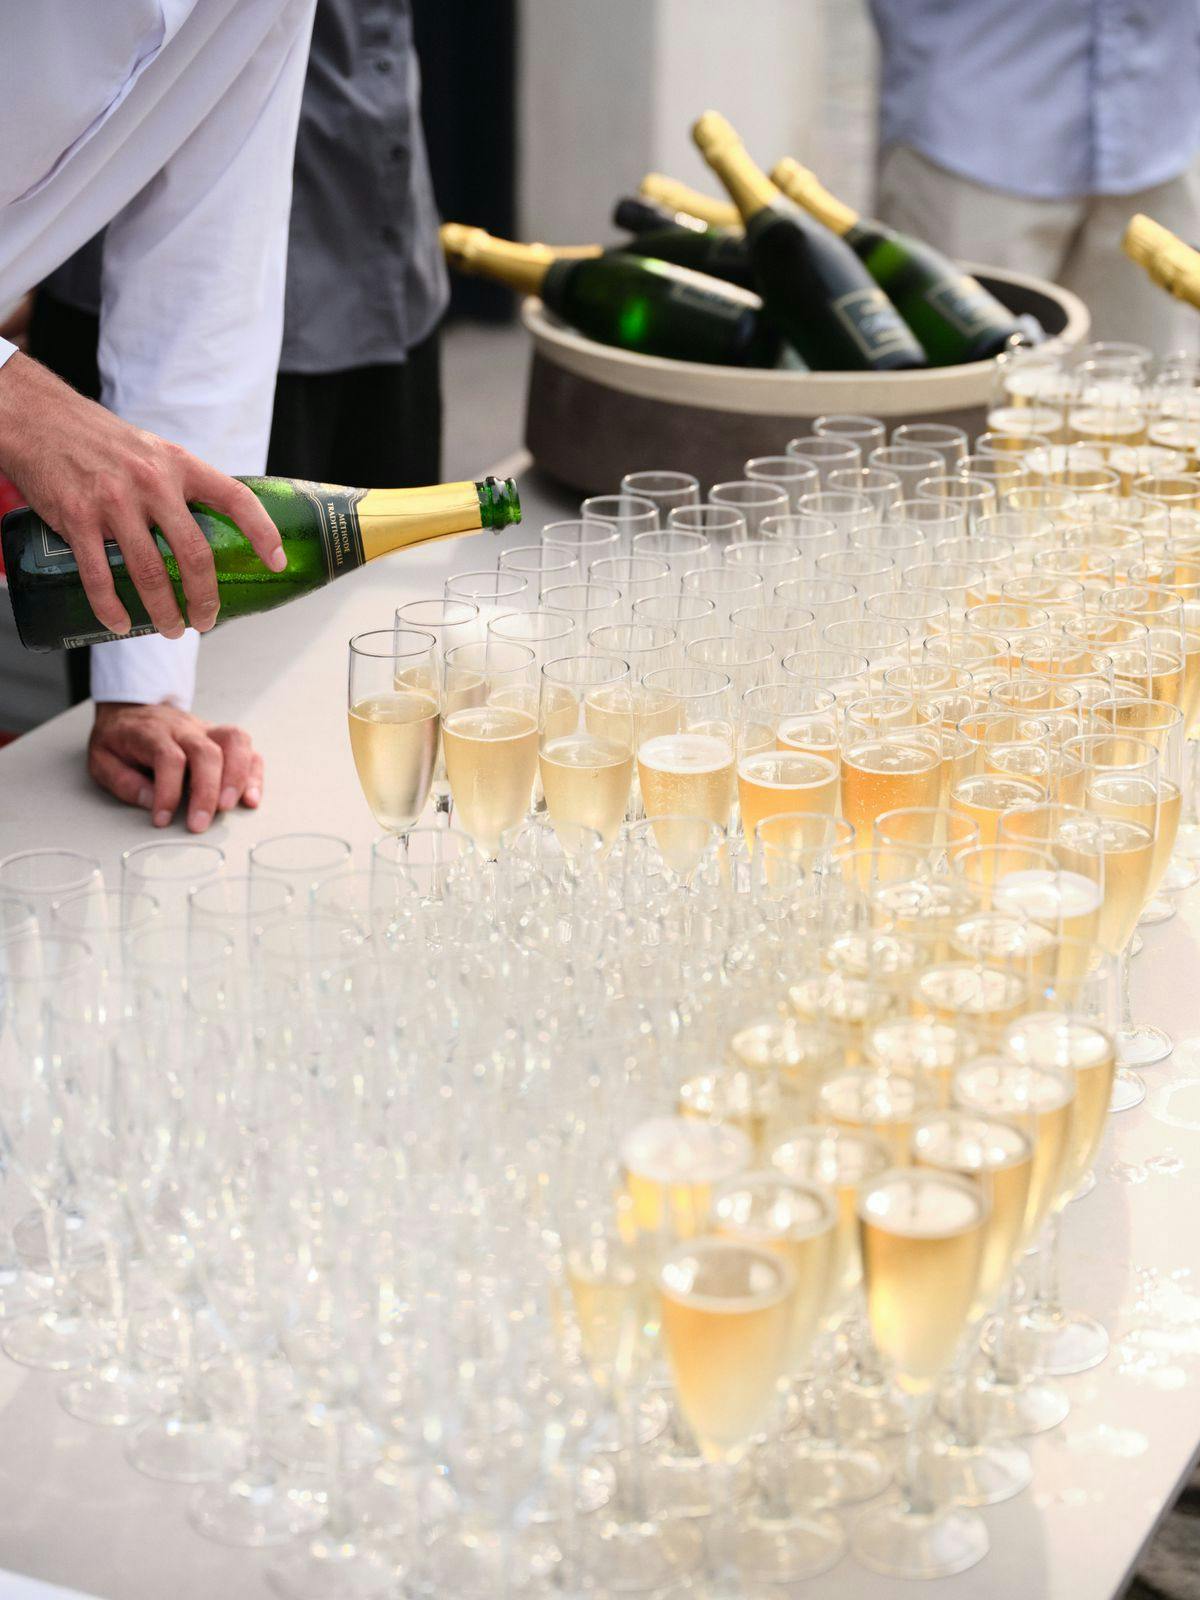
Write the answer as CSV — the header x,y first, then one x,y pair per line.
x,y
394,740
880,775
968,992
1066,901
1128,810
880,1102
928,1050
613,1306
1000,1158
586,781
922,1247
986,797
1086,1050
672,1165
797,1222
771,783
491,761
1041,1104
1170,802
798,1055
841,1160
762,1108
607,713
726,1322
689,774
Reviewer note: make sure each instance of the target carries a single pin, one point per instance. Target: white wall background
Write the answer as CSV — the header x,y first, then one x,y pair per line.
x,y
609,89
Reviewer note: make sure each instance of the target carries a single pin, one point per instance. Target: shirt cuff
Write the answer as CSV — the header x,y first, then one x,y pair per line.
x,y
151,671
7,348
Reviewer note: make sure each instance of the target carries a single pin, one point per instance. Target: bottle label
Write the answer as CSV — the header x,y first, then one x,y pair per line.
x,y
727,304
965,304
72,641
337,524
873,322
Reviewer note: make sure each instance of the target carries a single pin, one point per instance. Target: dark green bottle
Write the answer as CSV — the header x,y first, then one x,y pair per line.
x,y
638,303
952,314
326,530
814,288
676,236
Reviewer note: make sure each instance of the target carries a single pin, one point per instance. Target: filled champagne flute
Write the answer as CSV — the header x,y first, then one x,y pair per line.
x,y
998,1155
586,738
1059,1341
727,1316
1125,789
1039,1098
690,769
787,754
490,736
888,761
776,1540
923,1235
394,714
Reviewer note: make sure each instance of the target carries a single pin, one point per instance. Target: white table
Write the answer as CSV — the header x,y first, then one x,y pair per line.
x,y
75,1514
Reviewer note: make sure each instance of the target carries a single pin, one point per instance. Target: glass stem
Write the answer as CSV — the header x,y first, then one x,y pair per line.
x,y
1126,993
770,1470
339,1524
118,1301
54,1227
1047,1294
190,1407
631,1485
913,1484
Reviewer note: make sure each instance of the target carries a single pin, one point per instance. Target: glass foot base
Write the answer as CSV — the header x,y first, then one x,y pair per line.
x,y
1128,1090
977,1475
114,1397
1160,909
895,1541
333,1572
870,1411
680,1485
174,1451
301,1442
54,1342
1086,1184
1187,842
20,1292
1136,945
1182,873
1064,1344
82,1242
1012,1410
1143,1046
652,1416
820,1472
635,1558
254,1510
789,1549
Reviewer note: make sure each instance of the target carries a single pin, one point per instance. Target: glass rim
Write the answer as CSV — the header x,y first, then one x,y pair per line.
x,y
441,601
180,850
363,644
458,654
563,669
45,853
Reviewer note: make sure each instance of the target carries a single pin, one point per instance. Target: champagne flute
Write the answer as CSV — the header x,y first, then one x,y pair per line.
x,y
727,1316
690,769
776,1541
586,738
394,714
923,1236
490,736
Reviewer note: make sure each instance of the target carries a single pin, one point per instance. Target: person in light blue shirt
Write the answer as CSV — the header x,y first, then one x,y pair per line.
x,y
1025,133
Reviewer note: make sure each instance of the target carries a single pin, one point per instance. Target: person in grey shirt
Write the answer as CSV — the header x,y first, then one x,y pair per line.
x,y
358,396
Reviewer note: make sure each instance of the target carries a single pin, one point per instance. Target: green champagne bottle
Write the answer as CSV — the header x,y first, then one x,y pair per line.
x,y
326,531
814,288
654,307
676,236
676,196
952,314
1171,261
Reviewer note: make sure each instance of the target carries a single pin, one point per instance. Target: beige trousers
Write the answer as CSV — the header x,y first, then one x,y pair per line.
x,y
1076,243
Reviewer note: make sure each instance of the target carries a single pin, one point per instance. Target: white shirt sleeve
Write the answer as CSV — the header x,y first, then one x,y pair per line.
x,y
6,349
151,672
192,310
